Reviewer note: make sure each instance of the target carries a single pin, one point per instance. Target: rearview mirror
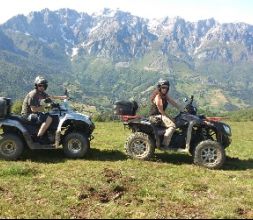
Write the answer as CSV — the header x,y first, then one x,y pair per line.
x,y
66,93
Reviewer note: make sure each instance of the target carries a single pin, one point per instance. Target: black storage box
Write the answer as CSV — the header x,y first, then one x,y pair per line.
x,y
5,107
125,108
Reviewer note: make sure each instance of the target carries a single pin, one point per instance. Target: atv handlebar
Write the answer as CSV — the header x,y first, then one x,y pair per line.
x,y
192,97
55,105
189,107
49,103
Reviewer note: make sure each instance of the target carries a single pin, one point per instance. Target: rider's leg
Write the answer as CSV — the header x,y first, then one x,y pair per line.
x,y
168,135
171,127
45,126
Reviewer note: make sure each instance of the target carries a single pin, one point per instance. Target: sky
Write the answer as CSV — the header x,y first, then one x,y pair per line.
x,y
224,11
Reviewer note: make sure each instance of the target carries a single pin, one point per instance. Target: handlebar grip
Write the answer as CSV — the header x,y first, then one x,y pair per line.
x,y
55,105
48,100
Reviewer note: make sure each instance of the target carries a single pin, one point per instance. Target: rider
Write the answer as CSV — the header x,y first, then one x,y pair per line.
x,y
32,108
159,102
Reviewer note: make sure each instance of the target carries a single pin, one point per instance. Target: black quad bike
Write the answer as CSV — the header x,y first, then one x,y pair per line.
x,y
202,137
70,130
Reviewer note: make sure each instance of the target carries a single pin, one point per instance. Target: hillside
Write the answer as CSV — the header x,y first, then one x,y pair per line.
x,y
114,55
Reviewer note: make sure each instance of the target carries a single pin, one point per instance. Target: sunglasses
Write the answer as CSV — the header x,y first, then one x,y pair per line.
x,y
164,87
41,85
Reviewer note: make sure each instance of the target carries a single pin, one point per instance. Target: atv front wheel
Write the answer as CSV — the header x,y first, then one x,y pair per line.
x,y
76,145
209,154
11,147
140,146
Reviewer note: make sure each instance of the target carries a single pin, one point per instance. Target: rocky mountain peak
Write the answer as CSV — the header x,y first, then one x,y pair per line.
x,y
121,36
115,49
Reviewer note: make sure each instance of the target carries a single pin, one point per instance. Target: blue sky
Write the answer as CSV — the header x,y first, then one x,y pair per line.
x,y
191,10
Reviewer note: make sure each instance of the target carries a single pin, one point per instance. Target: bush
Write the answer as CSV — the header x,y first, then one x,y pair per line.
x,y
17,107
241,115
103,117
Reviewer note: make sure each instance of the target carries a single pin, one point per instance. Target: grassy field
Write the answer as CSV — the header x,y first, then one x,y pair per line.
x,y
106,184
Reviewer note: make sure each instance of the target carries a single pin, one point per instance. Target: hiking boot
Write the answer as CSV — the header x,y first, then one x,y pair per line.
x,y
43,140
164,147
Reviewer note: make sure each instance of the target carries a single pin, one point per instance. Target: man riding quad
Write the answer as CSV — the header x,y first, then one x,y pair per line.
x,y
32,108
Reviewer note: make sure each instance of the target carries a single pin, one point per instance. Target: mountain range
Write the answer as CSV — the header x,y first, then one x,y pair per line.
x,y
112,55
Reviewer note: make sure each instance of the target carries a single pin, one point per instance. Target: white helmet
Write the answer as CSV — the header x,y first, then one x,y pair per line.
x,y
40,80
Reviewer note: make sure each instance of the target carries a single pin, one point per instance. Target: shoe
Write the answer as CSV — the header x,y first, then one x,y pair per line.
x,y
35,138
43,140
164,147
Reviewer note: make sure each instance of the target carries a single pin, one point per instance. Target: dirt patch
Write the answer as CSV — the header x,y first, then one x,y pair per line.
x,y
111,175
2,189
86,192
190,211
81,211
90,196
240,211
6,194
118,191
249,214
115,186
115,176
244,213
103,195
182,211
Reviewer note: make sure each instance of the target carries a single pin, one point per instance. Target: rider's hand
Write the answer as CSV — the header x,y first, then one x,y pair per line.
x,y
44,102
181,109
48,100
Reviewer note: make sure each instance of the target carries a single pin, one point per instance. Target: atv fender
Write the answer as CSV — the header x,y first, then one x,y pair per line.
x,y
17,126
81,120
189,135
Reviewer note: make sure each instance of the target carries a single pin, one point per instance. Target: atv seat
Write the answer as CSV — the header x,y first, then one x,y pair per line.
x,y
22,120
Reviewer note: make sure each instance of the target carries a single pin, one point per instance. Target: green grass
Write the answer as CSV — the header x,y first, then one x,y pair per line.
x,y
106,184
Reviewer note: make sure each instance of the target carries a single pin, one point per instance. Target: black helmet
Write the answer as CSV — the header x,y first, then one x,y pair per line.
x,y
163,82
40,80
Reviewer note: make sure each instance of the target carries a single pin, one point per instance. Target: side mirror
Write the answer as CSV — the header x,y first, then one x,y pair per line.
x,y
66,93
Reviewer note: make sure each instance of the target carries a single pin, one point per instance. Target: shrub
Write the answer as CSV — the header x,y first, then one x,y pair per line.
x,y
17,107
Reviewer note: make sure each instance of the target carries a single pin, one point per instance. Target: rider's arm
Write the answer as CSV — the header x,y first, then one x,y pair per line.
x,y
58,97
37,109
173,103
159,103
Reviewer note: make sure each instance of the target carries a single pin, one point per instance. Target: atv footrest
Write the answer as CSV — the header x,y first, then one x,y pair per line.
x,y
37,146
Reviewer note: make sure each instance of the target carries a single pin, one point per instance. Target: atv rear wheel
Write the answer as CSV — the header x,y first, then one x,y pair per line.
x,y
11,147
209,154
140,146
76,145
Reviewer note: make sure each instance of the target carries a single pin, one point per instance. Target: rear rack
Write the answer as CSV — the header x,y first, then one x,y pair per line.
x,y
216,119
126,118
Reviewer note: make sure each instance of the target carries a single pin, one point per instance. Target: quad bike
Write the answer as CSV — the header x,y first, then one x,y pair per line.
x,y
70,130
202,137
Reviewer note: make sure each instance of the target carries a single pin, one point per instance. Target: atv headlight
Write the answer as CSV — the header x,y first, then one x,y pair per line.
x,y
227,129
